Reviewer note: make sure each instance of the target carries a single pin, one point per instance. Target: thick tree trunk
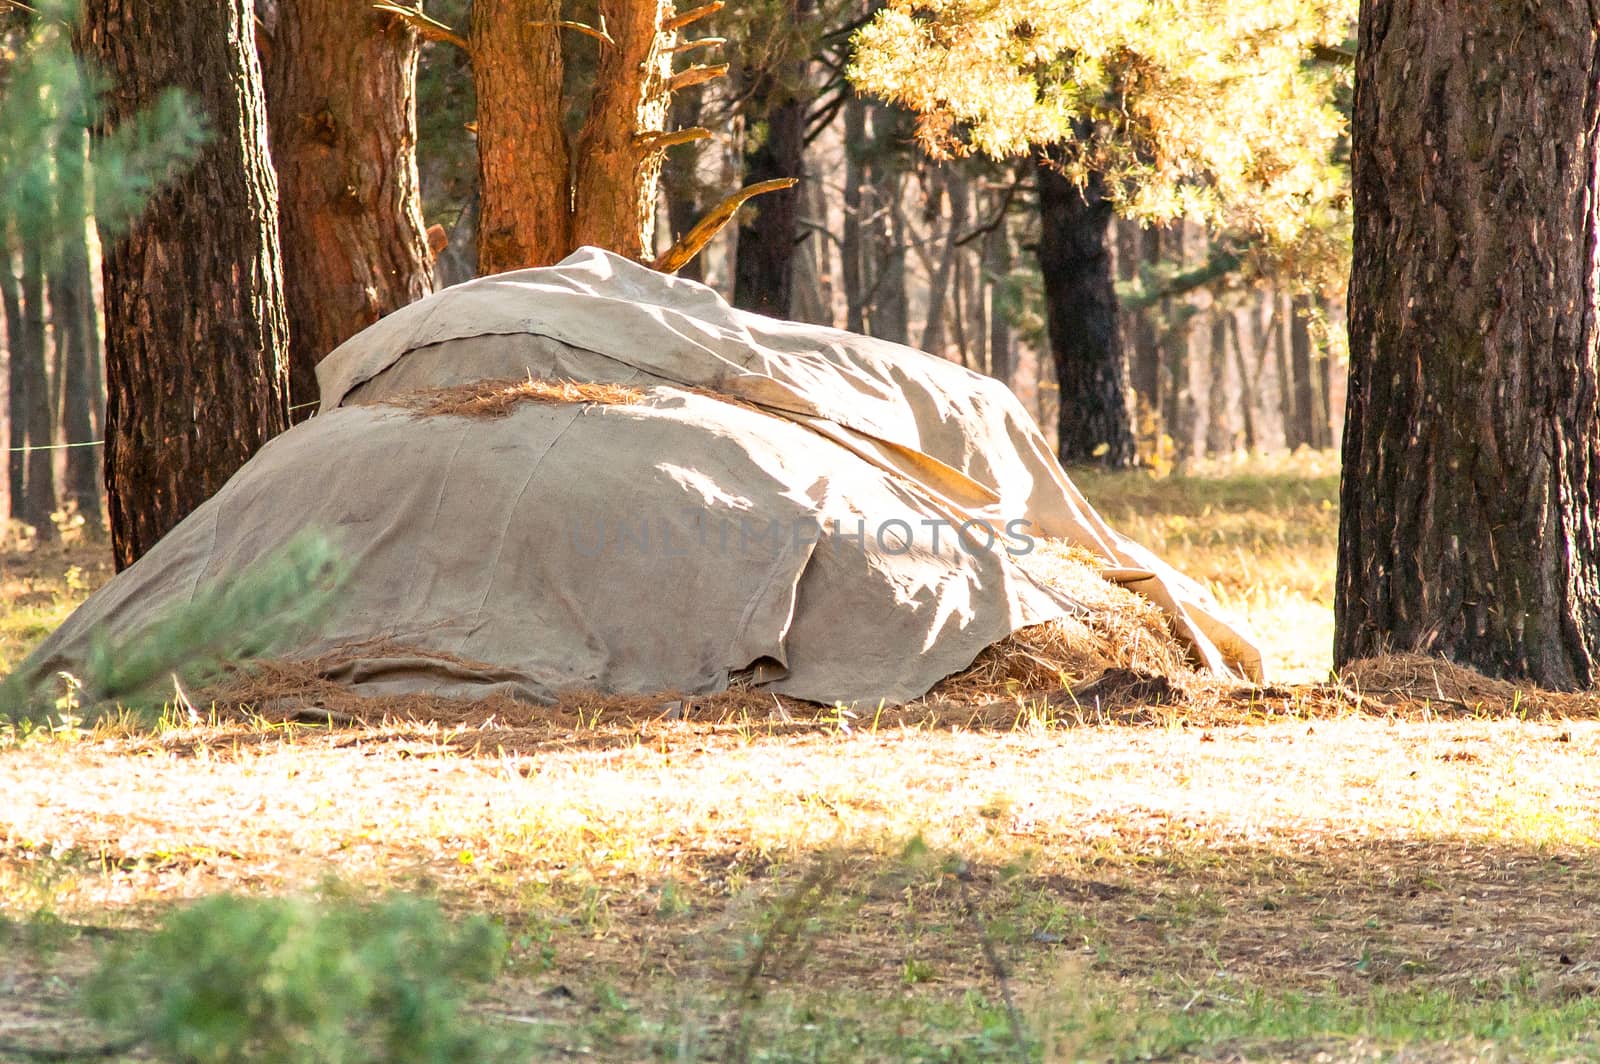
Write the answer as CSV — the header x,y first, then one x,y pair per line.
x,y
525,214
614,195
196,337
1471,483
341,100
1081,308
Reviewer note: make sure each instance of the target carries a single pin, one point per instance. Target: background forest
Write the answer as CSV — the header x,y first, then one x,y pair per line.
x,y
1220,342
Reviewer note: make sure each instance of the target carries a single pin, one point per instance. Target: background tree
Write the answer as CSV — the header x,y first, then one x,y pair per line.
x,y
775,86
549,183
1174,110
1471,486
196,335
47,192
341,104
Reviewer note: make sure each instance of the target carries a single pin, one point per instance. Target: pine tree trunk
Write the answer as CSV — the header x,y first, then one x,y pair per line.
x,y
1471,485
525,213
341,103
38,407
997,268
769,231
1305,397
77,326
196,336
852,241
680,182
1081,310
16,393
614,194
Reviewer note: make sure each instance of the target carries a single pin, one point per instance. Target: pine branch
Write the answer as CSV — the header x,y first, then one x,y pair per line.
x,y
694,241
661,140
678,22
695,75
430,28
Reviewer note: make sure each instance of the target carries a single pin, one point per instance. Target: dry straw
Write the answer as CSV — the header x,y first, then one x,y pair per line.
x,y
497,397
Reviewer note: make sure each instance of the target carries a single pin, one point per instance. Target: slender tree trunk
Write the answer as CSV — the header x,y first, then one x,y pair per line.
x,y
680,179
67,300
1137,246
891,303
1002,339
1471,486
1220,437
341,99
524,164
197,352
933,329
16,391
38,406
1304,395
1248,384
1081,308
770,231
852,241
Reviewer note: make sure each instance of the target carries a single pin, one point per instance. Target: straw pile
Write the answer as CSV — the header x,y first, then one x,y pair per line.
x,y
1400,679
497,397
1120,631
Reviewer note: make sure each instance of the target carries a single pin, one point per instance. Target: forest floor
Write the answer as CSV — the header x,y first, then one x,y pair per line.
x,y
1327,879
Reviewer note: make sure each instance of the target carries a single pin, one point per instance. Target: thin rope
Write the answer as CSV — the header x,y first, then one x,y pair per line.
x,y
25,448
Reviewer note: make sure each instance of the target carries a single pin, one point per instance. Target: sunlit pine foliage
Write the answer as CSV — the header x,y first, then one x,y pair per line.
x,y
1222,111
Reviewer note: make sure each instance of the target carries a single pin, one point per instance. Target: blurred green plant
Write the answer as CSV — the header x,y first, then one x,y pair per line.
x,y
229,621
51,101
314,980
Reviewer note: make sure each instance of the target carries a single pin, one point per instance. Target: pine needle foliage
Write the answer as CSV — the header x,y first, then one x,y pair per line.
x,y
248,615
318,981
1216,110
51,100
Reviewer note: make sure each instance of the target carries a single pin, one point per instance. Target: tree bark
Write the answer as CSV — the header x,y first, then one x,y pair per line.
x,y
16,392
525,213
1471,474
770,232
1002,338
37,406
196,336
1081,310
341,104
614,194
852,242
680,179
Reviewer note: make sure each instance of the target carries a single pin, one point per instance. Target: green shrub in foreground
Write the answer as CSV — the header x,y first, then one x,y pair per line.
x,y
325,981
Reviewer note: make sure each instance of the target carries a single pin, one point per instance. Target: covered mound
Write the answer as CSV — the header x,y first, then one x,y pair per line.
x,y
594,476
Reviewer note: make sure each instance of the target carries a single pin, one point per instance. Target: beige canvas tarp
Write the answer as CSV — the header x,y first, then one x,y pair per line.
x,y
833,516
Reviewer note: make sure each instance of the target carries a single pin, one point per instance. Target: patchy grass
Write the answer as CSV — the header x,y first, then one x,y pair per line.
x,y
1259,530
39,586
1328,881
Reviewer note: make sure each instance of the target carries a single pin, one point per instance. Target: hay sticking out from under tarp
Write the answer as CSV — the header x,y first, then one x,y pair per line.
x,y
1416,678
497,397
1120,630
